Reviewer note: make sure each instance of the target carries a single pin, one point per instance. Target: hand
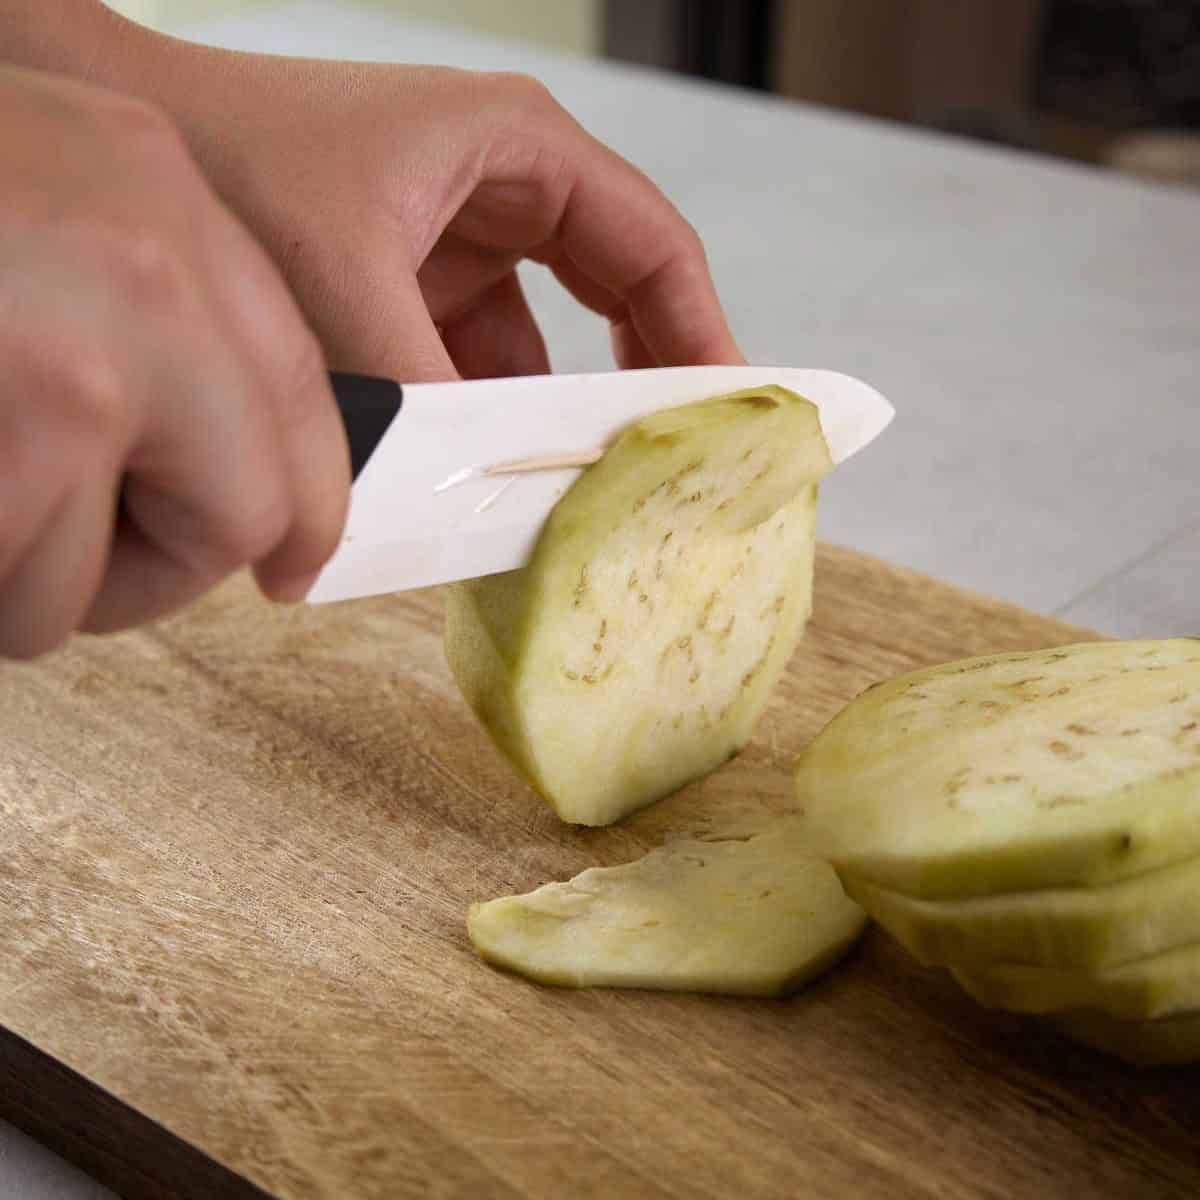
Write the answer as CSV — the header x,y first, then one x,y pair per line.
x,y
398,200
166,415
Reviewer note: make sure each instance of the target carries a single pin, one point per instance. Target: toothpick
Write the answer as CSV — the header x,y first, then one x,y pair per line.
x,y
545,462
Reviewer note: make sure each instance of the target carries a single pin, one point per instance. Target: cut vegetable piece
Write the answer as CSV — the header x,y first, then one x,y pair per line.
x,y
1138,991
753,918
1144,1043
1063,927
665,595
1013,772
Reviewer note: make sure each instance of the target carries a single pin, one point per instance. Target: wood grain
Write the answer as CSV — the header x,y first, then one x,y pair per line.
x,y
235,856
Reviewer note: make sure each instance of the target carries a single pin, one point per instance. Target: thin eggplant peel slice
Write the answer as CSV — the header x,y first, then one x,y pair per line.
x,y
750,917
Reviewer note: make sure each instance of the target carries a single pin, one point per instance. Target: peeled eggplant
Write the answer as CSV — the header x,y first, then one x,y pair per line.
x,y
1172,1040
665,596
1014,772
1142,990
1058,927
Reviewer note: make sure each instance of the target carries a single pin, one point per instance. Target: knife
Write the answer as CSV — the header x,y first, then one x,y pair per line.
x,y
454,480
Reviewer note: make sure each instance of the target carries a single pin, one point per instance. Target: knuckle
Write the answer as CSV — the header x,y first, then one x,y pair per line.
x,y
157,273
145,267
307,363
92,390
141,126
297,390
691,243
302,388
255,531
522,89
685,260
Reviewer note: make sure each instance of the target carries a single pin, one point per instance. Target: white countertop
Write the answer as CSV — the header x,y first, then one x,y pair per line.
x,y
1037,326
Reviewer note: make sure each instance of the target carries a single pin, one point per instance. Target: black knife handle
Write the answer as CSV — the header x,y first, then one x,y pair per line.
x,y
368,407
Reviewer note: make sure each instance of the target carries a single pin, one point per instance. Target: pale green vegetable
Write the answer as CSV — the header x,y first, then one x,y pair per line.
x,y
1142,990
665,596
753,917
1062,927
1144,1043
1013,772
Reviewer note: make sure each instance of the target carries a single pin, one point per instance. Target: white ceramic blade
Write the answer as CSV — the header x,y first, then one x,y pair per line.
x,y
422,511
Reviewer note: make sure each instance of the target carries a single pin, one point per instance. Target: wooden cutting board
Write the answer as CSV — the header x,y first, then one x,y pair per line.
x,y
235,856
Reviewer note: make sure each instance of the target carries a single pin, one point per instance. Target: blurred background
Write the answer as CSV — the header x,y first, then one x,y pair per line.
x,y
1110,82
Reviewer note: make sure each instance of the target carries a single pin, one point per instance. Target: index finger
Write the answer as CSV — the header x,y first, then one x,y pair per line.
x,y
618,230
